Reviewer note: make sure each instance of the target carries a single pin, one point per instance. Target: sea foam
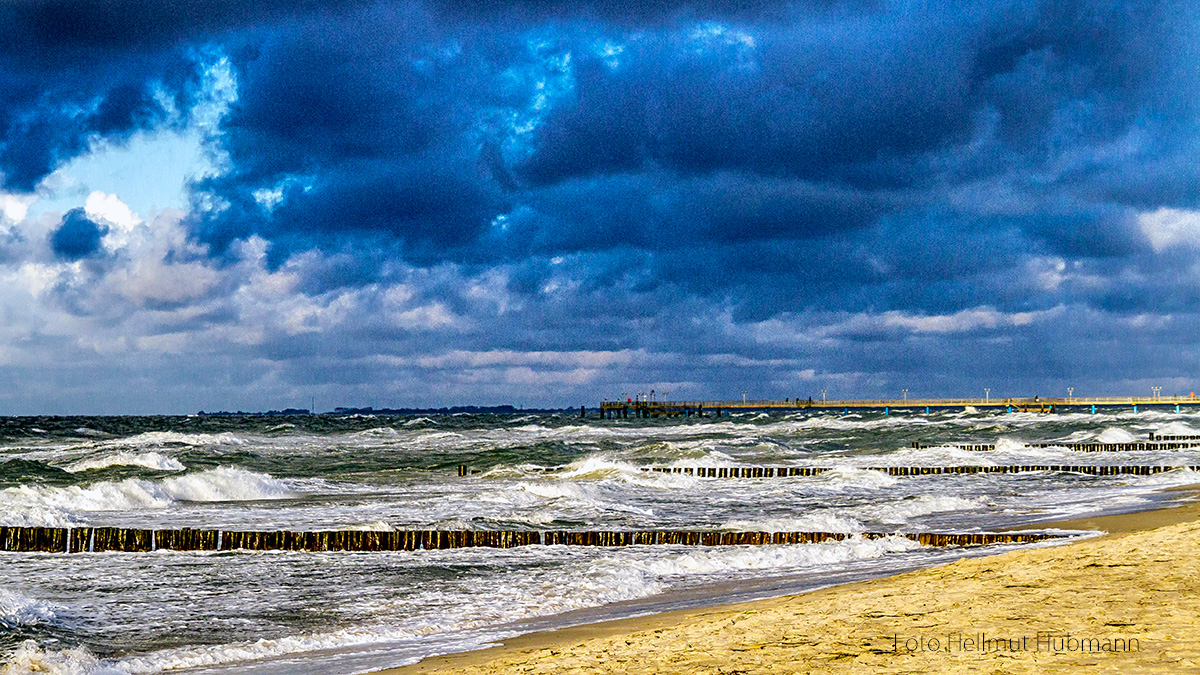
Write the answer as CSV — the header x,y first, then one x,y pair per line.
x,y
51,506
149,460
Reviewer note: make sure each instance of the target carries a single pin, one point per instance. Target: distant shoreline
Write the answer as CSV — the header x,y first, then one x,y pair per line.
x,y
451,410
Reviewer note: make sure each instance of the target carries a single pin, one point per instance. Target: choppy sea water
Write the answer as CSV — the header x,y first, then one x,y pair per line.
x,y
304,612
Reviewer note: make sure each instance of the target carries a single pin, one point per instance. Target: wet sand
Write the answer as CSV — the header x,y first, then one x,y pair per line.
x,y
1126,602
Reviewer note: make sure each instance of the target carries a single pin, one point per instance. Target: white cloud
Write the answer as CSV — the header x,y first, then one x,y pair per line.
x,y
813,330
959,322
427,317
1166,228
503,357
112,209
14,208
152,280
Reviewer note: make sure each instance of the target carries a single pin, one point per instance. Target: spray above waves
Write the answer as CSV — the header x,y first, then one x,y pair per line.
x,y
158,439
1177,429
598,467
148,460
51,506
1116,435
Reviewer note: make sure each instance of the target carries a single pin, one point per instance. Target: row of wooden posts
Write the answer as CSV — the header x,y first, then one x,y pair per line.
x,y
787,471
790,471
1137,446
102,539
1175,437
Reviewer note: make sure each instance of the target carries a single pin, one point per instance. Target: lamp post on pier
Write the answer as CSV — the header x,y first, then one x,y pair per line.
x,y
905,395
987,394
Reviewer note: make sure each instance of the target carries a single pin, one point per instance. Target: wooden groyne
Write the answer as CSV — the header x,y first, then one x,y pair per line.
x,y
801,471
1169,443
789,471
1155,437
108,539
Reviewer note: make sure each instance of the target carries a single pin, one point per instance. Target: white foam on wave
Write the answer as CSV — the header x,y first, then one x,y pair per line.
x,y
154,439
847,476
704,454
30,658
1178,476
419,420
377,526
149,460
1176,429
597,467
84,431
377,432
775,558
1115,435
49,506
604,467
20,610
478,603
562,496
938,455
902,510
1006,444
821,521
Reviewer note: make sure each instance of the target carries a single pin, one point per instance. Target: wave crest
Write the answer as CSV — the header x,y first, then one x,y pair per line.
x,y
149,460
47,506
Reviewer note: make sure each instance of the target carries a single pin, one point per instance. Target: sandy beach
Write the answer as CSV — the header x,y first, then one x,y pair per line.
x,y
1125,602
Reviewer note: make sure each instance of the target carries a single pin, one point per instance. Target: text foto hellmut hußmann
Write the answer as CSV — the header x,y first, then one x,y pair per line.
x,y
1043,642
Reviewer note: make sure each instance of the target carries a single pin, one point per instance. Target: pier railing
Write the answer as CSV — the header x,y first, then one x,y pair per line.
x,y
643,407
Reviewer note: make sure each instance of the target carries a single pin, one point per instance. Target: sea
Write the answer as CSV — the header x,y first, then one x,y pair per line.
x,y
302,612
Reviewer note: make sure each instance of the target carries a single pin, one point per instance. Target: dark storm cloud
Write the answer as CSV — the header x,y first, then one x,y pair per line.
x,y
60,29
664,177
793,121
77,236
49,115
76,71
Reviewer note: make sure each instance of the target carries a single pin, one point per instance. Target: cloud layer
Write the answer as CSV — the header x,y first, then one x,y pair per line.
x,y
419,203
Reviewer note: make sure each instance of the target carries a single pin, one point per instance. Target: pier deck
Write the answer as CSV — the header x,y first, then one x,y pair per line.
x,y
650,408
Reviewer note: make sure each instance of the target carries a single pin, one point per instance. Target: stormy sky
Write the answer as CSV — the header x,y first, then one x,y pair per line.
x,y
224,204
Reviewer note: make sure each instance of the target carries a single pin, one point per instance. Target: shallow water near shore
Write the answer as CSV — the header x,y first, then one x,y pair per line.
x,y
301,612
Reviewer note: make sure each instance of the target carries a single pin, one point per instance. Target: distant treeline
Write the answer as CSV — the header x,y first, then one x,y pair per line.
x,y
454,410
469,409
285,411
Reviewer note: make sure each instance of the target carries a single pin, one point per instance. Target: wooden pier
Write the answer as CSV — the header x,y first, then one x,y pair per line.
x,y
642,408
112,539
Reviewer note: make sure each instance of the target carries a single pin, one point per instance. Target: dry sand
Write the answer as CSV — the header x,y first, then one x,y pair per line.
x,y
1124,603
